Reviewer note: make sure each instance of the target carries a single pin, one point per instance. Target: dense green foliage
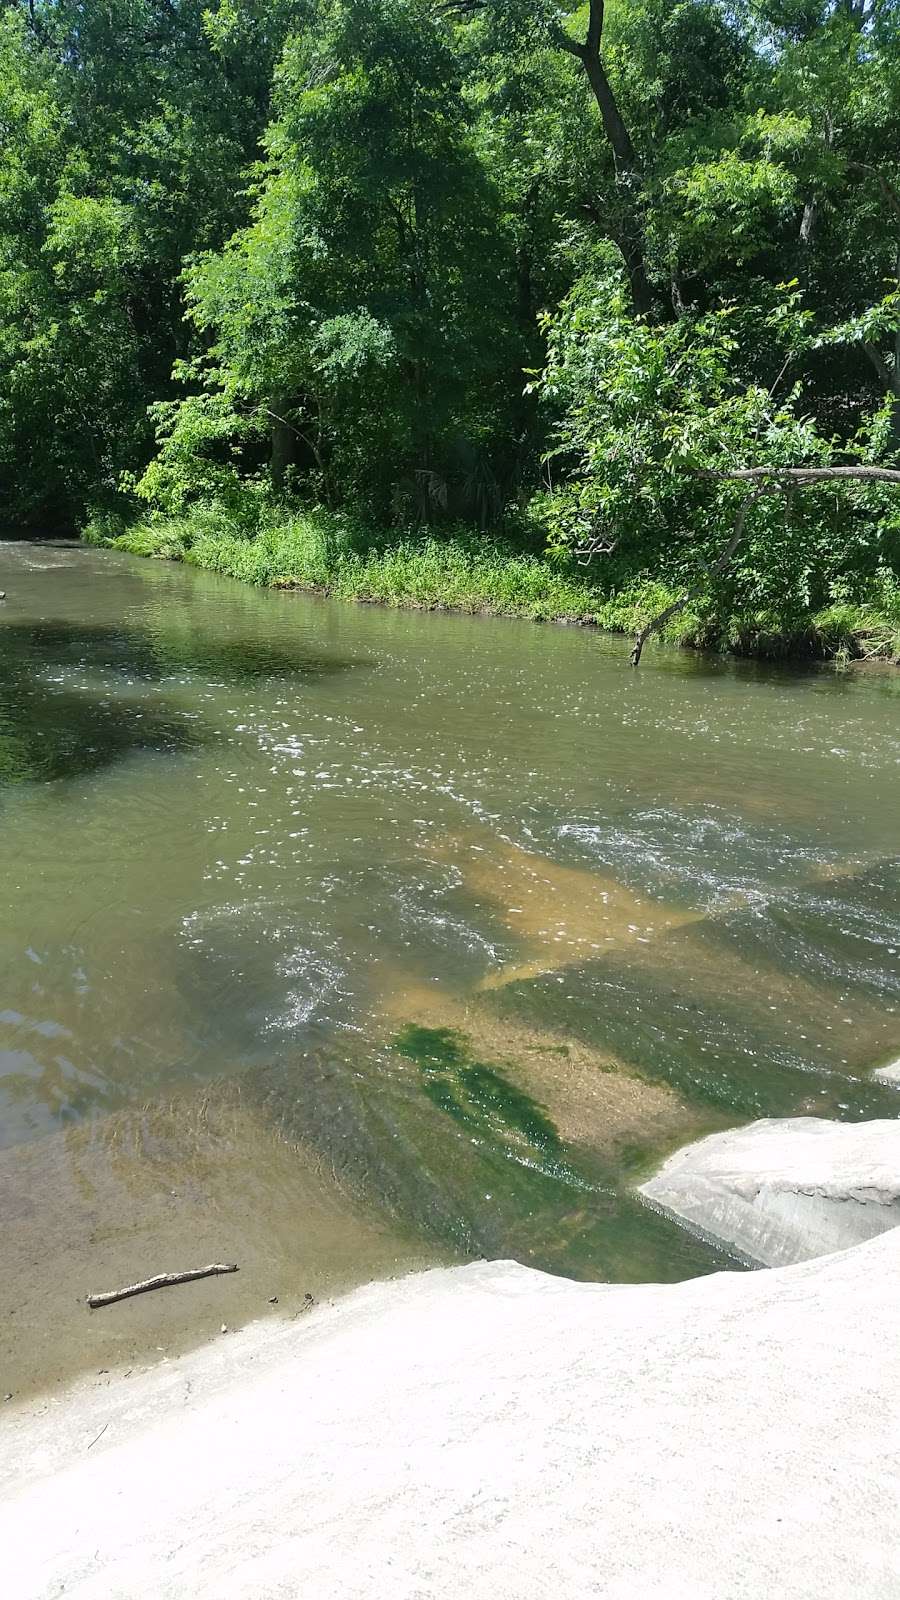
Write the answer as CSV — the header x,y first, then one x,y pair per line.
x,y
329,553
299,289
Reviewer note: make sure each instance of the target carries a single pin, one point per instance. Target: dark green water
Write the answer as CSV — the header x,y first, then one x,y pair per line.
x,y
478,920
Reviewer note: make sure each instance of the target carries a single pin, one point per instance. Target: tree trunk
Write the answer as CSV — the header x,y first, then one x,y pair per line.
x,y
284,442
629,175
808,222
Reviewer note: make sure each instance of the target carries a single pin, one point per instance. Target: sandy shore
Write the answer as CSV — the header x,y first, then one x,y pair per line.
x,y
488,1431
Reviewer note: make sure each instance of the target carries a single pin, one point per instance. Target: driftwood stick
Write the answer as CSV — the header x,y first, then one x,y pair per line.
x,y
161,1281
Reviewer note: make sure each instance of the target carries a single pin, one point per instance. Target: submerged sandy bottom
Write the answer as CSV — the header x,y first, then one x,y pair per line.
x,y
488,1431
160,1188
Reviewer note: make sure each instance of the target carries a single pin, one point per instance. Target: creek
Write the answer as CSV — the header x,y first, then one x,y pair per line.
x,y
338,940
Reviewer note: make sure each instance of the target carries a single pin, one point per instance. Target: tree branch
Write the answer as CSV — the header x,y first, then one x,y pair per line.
x,y
660,620
885,376
595,26
267,411
891,194
767,480
626,162
564,41
598,546
163,1280
788,477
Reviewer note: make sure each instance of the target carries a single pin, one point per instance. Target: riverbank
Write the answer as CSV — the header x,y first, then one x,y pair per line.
x,y
328,554
488,1431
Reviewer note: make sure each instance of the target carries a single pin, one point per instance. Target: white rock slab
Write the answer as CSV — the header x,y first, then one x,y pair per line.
x,y
487,1433
781,1191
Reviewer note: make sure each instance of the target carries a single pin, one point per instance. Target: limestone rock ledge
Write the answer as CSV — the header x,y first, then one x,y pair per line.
x,y
783,1190
487,1433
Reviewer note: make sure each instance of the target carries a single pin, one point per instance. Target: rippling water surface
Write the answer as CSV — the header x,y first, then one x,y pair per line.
x,y
339,940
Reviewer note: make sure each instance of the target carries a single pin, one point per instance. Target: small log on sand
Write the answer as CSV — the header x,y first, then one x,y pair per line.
x,y
161,1281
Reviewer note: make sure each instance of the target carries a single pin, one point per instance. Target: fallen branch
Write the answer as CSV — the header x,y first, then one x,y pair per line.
x,y
768,480
696,589
796,477
584,553
161,1281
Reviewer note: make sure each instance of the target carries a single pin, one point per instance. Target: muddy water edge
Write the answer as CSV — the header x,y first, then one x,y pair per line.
x,y
338,941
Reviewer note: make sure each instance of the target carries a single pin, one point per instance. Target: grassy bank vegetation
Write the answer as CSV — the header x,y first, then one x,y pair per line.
x,y
576,279
330,553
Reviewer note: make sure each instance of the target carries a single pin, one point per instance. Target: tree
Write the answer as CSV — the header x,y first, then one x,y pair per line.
x,y
525,264
676,464
368,309
124,131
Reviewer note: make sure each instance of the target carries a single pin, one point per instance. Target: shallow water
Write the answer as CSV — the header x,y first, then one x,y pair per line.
x,y
337,940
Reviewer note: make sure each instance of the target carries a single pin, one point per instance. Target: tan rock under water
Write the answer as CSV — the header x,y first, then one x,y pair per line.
x,y
592,1099
559,914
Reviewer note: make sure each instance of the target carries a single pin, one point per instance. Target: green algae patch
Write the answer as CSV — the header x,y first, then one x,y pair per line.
x,y
548,1204
474,1092
433,1049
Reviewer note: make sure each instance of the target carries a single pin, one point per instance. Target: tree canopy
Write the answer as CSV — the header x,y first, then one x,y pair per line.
x,y
501,262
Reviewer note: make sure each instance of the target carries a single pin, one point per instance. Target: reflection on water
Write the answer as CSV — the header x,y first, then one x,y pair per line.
x,y
340,940
74,695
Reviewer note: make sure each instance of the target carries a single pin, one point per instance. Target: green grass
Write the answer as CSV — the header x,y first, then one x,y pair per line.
x,y
330,553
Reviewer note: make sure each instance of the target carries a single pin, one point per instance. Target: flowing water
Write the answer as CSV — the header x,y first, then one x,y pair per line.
x,y
337,940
